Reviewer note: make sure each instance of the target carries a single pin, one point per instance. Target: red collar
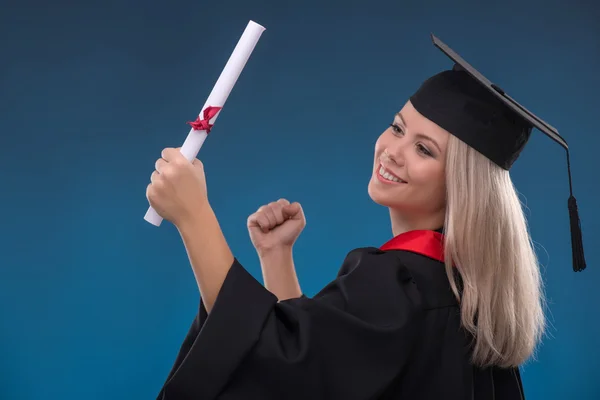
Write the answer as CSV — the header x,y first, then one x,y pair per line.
x,y
424,242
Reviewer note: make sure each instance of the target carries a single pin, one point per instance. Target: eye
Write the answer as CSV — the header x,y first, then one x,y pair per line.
x,y
397,129
423,150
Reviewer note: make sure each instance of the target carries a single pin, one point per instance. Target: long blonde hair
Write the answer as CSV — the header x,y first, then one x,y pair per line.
x,y
487,239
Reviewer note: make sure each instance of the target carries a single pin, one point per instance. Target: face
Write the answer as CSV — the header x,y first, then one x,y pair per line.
x,y
409,166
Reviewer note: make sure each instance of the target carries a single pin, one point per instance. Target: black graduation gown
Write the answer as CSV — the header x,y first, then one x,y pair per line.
x,y
388,327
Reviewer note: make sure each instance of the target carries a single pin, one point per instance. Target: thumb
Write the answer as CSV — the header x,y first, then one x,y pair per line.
x,y
253,225
293,210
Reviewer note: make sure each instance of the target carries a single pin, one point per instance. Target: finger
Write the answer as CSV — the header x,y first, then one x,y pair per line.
x,y
269,212
178,156
196,162
165,153
283,202
276,212
255,214
171,154
293,210
160,164
259,220
263,222
270,215
154,177
251,221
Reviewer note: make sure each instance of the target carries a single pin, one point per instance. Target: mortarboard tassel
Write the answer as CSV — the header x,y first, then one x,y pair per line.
x,y
576,236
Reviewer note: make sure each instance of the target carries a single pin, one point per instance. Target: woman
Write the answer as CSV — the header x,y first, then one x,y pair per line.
x,y
448,308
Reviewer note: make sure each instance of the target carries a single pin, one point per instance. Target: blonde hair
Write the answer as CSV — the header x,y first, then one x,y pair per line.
x,y
487,239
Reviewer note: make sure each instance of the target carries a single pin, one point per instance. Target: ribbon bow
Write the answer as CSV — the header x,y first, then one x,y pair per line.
x,y
203,124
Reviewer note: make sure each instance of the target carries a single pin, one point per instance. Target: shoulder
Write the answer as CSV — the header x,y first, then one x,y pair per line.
x,y
381,269
372,286
373,261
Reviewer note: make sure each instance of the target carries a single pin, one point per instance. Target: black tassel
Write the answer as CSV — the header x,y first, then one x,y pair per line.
x,y
576,236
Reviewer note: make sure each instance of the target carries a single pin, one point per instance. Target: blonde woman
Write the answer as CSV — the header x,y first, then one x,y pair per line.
x,y
449,308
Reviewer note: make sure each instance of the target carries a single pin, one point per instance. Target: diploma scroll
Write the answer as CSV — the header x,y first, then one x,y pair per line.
x,y
216,99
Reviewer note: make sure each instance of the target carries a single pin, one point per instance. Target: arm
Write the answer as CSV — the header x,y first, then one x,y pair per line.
x,y
279,273
208,252
349,342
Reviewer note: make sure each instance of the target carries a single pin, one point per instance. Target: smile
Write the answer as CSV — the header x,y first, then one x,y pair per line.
x,y
387,177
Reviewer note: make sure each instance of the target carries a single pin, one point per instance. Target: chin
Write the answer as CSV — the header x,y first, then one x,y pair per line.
x,y
381,198
389,203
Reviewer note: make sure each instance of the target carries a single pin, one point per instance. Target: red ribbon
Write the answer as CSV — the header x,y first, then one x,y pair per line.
x,y
204,124
424,242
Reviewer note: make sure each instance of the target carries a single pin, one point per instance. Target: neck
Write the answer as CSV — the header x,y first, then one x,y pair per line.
x,y
402,222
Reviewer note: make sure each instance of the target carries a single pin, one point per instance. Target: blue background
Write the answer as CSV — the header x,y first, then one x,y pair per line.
x,y
94,301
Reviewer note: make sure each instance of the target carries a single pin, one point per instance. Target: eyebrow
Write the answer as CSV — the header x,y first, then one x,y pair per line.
x,y
419,135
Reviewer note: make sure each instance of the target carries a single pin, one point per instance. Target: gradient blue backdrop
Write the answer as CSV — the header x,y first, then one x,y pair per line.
x,y
94,301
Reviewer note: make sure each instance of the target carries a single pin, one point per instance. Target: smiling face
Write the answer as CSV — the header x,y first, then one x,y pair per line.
x,y
409,167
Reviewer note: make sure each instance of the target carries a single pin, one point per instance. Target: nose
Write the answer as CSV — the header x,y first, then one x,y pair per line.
x,y
395,154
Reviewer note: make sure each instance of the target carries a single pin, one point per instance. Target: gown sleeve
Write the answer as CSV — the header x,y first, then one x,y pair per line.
x,y
350,341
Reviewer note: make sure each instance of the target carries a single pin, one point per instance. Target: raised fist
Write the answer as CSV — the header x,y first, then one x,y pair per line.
x,y
276,226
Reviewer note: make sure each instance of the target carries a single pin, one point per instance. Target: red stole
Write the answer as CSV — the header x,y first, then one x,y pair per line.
x,y
424,242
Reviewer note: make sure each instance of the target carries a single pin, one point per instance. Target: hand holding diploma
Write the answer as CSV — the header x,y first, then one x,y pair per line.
x,y
211,109
178,194
177,189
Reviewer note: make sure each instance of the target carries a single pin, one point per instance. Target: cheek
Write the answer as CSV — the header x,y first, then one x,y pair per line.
x,y
379,146
430,176
438,186
384,140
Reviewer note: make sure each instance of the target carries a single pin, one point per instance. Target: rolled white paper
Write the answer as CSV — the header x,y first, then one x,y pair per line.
x,y
217,97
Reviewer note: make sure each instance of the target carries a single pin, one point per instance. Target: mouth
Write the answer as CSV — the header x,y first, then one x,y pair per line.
x,y
384,175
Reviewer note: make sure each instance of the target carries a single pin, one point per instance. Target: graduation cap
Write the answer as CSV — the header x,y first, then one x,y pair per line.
x,y
485,117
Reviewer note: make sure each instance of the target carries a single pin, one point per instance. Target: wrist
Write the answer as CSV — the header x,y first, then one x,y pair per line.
x,y
275,252
198,218
279,273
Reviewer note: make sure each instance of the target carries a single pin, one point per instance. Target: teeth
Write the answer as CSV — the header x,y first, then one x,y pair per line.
x,y
387,175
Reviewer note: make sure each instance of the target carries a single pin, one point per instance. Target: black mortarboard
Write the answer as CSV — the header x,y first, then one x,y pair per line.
x,y
481,114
